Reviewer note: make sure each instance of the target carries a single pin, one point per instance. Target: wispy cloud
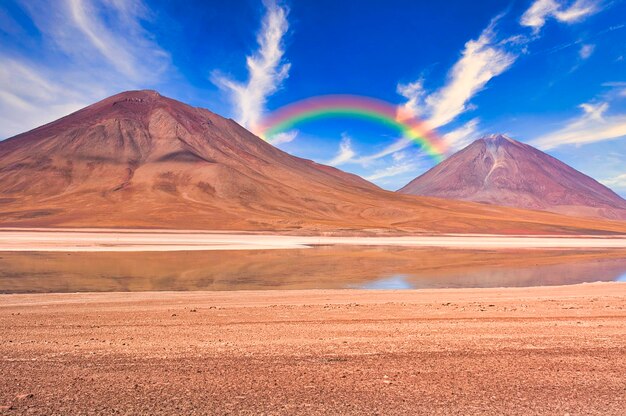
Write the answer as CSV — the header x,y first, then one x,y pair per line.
x,y
394,169
103,48
103,32
614,84
394,147
541,10
577,11
345,153
482,59
397,161
617,182
592,126
536,15
414,93
284,137
586,50
266,69
30,96
462,136
618,88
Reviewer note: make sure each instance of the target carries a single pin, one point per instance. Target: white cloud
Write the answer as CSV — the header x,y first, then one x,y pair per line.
x,y
592,126
399,162
266,71
462,136
103,47
284,137
398,156
29,97
481,60
106,32
394,170
537,14
617,182
414,93
394,147
586,50
345,153
577,11
86,20
618,88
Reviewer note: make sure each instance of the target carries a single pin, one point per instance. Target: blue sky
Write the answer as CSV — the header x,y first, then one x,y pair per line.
x,y
551,73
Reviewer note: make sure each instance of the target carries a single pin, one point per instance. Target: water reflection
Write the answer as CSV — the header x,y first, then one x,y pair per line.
x,y
398,282
315,268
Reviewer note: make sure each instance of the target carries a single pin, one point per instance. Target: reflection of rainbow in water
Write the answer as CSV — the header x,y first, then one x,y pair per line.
x,y
332,106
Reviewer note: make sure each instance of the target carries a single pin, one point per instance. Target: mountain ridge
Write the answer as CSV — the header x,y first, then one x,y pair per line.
x,y
142,160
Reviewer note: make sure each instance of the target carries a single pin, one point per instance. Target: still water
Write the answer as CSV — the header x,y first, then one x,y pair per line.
x,y
335,267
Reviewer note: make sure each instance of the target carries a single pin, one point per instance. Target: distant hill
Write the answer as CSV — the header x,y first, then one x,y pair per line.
x,y
499,170
139,159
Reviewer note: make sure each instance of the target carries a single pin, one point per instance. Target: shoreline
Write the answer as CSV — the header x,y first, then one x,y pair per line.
x,y
265,297
88,240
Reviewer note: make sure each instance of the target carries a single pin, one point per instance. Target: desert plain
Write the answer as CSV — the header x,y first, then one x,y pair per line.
x,y
544,350
527,350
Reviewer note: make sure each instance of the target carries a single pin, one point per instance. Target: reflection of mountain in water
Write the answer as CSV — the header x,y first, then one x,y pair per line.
x,y
321,267
546,275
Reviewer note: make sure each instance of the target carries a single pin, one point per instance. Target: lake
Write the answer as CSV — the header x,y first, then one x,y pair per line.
x,y
320,267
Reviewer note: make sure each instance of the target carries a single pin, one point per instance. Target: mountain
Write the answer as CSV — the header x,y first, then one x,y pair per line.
x,y
141,160
499,170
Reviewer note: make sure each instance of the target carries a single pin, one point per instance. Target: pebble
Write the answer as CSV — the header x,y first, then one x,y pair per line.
x,y
24,396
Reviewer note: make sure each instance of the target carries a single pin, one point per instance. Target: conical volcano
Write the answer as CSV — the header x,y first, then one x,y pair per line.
x,y
499,170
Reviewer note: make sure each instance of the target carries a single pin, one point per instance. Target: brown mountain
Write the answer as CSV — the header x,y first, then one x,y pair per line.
x,y
499,170
139,159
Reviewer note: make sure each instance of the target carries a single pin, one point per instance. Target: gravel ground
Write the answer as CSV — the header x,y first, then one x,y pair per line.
x,y
550,350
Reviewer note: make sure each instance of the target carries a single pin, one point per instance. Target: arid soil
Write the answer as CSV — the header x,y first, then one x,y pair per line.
x,y
550,350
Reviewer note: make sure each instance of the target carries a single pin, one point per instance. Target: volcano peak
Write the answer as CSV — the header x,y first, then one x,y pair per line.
x,y
497,169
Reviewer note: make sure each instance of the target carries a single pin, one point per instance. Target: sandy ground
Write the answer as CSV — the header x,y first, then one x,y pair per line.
x,y
550,350
86,240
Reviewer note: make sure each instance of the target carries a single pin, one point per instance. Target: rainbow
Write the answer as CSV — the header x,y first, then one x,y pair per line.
x,y
331,106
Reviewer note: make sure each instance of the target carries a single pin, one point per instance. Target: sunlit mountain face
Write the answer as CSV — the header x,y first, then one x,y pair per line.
x,y
499,170
138,159
548,73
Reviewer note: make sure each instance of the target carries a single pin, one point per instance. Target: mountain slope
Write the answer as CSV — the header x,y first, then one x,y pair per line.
x,y
139,159
499,170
